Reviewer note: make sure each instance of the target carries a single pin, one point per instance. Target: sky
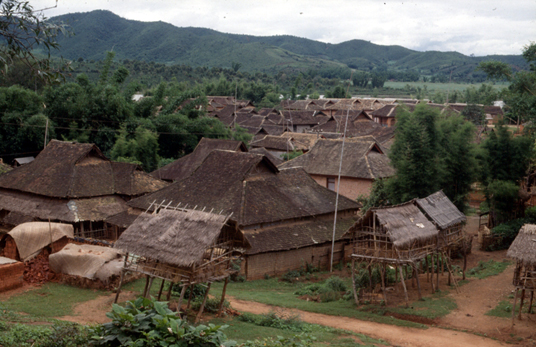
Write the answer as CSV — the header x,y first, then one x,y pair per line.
x,y
479,27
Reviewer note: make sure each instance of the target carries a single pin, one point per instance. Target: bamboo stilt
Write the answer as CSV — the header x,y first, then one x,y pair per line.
x,y
521,303
416,272
202,308
121,279
168,296
161,289
404,286
220,308
353,283
146,286
514,307
151,279
530,302
183,292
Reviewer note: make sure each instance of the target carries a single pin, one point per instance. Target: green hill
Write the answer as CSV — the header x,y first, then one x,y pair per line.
x,y
99,31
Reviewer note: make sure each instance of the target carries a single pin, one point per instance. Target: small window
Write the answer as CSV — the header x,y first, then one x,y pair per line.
x,y
331,183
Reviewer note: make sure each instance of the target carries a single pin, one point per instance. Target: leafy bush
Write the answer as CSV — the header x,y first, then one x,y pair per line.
x,y
146,322
336,284
328,291
278,321
59,335
291,276
330,296
507,232
195,291
301,340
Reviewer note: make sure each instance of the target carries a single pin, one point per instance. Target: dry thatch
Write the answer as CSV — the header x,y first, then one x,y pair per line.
x,y
183,167
403,224
361,159
523,248
78,170
441,210
173,237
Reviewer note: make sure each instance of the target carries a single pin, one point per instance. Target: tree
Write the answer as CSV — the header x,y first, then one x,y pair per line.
x,y
23,30
520,96
475,114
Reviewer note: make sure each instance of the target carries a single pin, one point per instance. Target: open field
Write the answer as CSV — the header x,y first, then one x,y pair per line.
x,y
442,87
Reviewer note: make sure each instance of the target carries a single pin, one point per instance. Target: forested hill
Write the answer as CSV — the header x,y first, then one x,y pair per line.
x,y
99,31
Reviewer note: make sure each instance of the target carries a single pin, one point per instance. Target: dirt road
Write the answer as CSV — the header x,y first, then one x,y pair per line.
x,y
397,336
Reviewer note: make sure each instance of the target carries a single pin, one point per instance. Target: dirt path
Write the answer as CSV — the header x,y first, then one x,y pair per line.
x,y
94,311
398,336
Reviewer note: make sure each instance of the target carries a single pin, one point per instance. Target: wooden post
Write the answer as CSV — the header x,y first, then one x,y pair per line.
x,y
514,307
121,279
144,294
370,275
416,275
382,274
168,296
427,269
396,274
432,273
202,308
356,299
521,303
161,288
530,302
179,304
151,279
437,271
404,286
220,308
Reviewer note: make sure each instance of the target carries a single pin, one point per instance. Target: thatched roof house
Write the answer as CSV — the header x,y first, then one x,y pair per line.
x,y
74,183
183,167
445,215
260,198
523,249
362,163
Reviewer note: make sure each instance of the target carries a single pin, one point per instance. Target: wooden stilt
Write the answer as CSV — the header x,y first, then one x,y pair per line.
x,y
356,299
521,303
427,269
432,273
530,301
148,294
514,307
404,286
179,304
144,294
396,274
441,260
161,289
121,279
437,271
168,296
189,300
416,275
220,308
412,277
370,276
382,275
202,308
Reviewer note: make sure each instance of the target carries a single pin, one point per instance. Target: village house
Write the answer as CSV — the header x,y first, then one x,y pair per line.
x,y
363,162
286,217
71,183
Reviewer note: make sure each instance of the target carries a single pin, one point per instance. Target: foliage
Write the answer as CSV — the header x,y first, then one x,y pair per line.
x,y
503,198
23,30
521,94
193,292
294,341
145,322
292,155
487,269
329,290
60,334
475,114
504,309
277,320
507,232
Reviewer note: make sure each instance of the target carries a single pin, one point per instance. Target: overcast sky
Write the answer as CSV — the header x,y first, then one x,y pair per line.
x,y
480,27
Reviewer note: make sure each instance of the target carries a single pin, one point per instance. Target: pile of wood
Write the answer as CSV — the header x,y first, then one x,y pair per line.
x,y
37,270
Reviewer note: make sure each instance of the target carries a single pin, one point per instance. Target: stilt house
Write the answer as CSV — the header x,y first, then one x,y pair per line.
x,y
182,246
523,250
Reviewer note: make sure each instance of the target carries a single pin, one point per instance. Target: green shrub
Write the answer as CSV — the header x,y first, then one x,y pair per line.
x,y
195,291
146,322
336,284
274,320
291,276
301,340
507,232
330,296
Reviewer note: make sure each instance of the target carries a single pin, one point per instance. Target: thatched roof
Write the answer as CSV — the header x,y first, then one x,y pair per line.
x,y
524,246
441,210
404,224
305,117
78,170
270,156
298,235
183,167
302,140
361,159
124,219
278,143
251,187
173,237
65,210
